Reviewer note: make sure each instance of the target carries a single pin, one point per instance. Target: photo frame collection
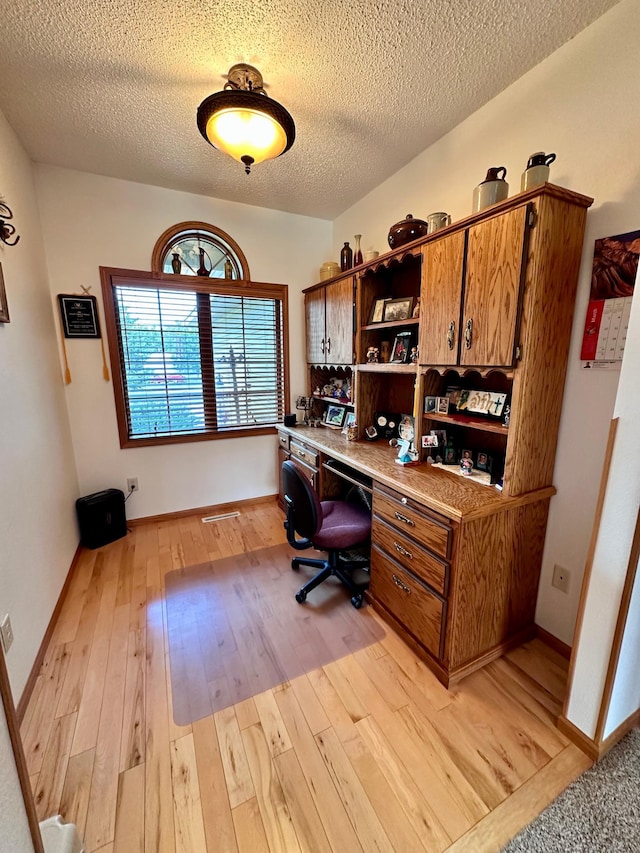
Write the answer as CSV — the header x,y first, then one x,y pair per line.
x,y
389,310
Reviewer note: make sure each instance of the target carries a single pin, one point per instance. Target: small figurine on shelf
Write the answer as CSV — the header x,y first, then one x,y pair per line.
x,y
413,355
416,309
372,355
316,392
466,463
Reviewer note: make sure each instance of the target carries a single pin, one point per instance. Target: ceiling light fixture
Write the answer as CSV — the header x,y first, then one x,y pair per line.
x,y
243,121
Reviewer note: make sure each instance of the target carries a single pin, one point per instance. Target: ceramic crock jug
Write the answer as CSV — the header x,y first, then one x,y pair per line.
x,y
494,188
537,171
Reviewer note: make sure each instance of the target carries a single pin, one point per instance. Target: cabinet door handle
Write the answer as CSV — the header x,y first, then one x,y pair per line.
x,y
322,346
302,453
451,334
403,551
404,518
468,333
328,345
402,586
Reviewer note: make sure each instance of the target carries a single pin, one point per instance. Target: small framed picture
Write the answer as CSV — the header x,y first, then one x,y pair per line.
x,y
377,314
484,462
466,455
442,405
401,348
450,456
429,440
430,405
4,308
333,416
348,421
441,437
398,309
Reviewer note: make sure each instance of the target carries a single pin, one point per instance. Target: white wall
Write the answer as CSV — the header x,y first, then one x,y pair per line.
x,y
582,104
91,221
610,563
38,484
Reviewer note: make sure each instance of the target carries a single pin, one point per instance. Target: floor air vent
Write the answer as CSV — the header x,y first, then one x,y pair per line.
x,y
211,518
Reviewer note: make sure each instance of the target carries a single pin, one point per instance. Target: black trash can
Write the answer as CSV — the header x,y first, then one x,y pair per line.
x,y
101,518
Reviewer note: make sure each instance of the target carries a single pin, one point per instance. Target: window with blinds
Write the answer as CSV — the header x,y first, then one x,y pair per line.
x,y
199,361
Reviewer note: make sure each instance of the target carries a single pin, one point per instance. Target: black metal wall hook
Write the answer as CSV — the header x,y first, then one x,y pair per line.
x,y
6,230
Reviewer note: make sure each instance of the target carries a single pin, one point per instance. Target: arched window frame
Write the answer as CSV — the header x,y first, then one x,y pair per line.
x,y
192,229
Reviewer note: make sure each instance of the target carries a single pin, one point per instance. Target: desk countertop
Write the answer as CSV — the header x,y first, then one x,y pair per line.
x,y
442,491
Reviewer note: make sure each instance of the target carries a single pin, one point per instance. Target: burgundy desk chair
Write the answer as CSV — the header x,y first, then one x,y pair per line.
x,y
332,526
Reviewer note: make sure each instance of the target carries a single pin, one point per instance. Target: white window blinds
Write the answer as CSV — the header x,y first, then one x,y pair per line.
x,y
194,362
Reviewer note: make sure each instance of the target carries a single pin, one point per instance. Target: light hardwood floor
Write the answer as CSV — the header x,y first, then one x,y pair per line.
x,y
367,753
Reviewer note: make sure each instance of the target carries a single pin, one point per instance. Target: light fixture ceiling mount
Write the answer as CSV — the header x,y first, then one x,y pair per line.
x,y
243,121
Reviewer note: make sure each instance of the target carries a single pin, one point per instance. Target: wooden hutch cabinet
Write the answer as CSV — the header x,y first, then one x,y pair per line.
x,y
329,323
456,562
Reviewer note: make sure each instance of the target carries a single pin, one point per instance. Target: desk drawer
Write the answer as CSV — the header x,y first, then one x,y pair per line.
x,y
310,473
408,515
310,457
283,440
408,600
410,555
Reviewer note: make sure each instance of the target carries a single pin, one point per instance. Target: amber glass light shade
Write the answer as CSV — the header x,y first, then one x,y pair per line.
x,y
247,125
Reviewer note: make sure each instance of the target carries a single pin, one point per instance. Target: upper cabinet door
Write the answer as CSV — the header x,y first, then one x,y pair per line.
x,y
442,265
339,322
315,313
495,254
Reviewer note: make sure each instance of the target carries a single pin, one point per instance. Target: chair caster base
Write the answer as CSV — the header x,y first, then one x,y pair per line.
x,y
301,597
357,601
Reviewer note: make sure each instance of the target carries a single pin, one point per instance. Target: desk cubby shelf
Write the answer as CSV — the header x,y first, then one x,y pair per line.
x,y
469,422
387,367
391,324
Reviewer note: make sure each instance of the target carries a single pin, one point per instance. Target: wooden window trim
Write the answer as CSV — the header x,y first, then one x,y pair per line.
x,y
239,287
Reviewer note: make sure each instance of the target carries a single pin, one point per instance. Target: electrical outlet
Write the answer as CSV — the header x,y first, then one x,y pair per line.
x,y
561,578
6,632
132,484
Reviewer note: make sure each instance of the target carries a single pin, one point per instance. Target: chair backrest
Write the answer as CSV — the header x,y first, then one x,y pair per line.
x,y
300,494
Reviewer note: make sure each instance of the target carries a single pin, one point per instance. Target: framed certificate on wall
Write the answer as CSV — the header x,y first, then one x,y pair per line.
x,y
79,316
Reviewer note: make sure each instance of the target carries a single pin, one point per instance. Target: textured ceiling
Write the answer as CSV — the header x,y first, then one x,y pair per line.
x,y
113,87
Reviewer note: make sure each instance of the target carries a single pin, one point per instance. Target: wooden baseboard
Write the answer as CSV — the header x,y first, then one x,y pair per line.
x,y
554,643
597,749
616,735
37,664
214,509
578,737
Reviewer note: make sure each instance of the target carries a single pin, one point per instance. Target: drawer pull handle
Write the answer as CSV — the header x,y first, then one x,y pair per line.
x,y
403,500
322,346
402,586
302,453
403,551
404,518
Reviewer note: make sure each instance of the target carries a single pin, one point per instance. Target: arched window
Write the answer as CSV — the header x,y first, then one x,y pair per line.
x,y
197,248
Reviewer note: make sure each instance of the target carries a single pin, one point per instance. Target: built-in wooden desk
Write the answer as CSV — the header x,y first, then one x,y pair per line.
x,y
455,564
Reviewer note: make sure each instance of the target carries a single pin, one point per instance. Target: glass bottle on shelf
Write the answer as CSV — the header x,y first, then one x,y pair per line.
x,y
346,257
357,254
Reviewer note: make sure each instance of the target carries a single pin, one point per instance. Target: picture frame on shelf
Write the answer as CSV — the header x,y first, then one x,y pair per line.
x,y
441,437
377,314
429,440
398,309
430,404
401,348
442,405
484,462
333,416
489,403
349,420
